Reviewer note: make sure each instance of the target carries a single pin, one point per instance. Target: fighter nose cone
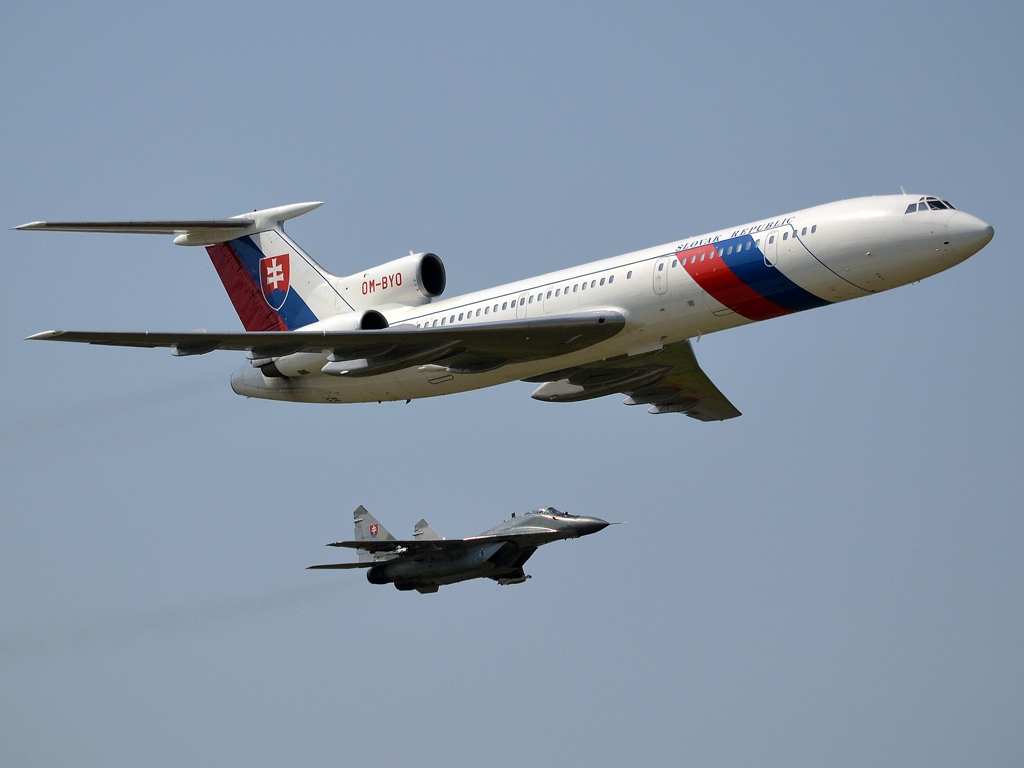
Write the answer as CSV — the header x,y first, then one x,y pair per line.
x,y
968,234
587,525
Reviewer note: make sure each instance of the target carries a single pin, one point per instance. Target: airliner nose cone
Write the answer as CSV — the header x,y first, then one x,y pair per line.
x,y
968,234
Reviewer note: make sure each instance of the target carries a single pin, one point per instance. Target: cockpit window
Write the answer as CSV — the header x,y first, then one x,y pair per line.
x,y
930,203
548,511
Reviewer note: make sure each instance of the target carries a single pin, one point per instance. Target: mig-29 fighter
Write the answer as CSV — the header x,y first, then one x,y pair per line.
x,y
428,561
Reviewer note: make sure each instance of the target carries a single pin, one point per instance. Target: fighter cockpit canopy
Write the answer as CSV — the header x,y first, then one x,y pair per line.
x,y
548,511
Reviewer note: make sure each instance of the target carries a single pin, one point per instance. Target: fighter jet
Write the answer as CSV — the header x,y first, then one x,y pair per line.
x,y
428,561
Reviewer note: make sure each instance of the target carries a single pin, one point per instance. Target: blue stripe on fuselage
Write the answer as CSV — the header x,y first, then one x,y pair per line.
x,y
748,264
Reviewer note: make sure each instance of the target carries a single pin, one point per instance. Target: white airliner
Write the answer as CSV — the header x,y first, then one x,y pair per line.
x,y
621,324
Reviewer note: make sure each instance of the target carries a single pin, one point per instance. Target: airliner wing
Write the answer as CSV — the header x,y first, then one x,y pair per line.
x,y
669,380
468,348
173,227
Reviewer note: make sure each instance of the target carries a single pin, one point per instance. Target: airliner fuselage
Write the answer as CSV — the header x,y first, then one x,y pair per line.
x,y
689,287
621,324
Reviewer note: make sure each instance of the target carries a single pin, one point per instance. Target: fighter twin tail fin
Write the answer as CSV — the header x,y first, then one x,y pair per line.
x,y
368,529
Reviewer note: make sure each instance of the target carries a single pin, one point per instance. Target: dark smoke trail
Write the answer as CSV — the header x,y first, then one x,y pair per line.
x,y
41,425
125,628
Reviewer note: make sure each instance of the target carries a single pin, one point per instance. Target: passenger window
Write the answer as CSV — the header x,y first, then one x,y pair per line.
x,y
785,235
478,313
460,315
452,319
487,310
442,321
749,244
758,242
702,257
814,229
558,292
611,279
575,288
727,251
531,299
583,287
540,296
629,274
675,263
593,283
771,239
661,267
549,294
504,305
803,231
435,324
602,281
693,259
523,301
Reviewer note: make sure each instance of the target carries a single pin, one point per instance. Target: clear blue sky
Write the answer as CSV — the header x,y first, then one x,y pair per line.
x,y
834,578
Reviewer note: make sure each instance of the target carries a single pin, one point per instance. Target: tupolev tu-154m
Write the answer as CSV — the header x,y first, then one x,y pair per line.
x,y
622,324
427,562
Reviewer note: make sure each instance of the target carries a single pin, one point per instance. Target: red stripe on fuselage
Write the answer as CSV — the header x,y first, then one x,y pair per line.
x,y
245,293
723,286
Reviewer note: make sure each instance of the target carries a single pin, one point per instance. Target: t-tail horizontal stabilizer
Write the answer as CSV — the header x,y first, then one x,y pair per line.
x,y
188,231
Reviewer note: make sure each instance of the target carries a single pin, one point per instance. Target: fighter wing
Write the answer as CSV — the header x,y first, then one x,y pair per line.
x,y
368,564
469,348
669,380
398,550
404,548
417,547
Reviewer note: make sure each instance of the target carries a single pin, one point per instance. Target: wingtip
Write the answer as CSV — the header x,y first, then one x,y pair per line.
x,y
43,335
31,225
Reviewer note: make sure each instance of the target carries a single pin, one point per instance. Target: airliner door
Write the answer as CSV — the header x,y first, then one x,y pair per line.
x,y
521,307
661,274
770,249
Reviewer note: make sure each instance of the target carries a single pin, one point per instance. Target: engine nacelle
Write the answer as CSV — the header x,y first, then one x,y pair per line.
x,y
301,363
409,281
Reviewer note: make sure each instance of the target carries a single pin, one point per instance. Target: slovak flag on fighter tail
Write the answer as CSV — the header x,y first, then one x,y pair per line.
x,y
275,275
